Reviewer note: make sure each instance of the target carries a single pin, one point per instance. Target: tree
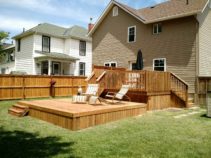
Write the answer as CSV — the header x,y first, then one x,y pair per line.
x,y
3,35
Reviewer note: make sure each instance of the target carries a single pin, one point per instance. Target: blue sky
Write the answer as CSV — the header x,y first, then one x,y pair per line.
x,y
16,14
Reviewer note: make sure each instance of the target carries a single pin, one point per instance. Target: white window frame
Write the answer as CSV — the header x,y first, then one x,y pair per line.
x,y
128,34
84,70
165,65
157,29
115,11
111,62
82,48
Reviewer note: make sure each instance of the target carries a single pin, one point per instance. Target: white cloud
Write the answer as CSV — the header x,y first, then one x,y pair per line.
x,y
68,9
159,1
16,24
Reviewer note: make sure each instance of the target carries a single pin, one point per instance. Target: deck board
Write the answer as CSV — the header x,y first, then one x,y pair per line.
x,y
74,116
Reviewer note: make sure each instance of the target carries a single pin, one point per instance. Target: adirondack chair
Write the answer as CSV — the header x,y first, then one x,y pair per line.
x,y
119,95
91,90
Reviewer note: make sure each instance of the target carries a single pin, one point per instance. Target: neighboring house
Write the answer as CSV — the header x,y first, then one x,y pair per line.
x,y
174,36
7,59
53,50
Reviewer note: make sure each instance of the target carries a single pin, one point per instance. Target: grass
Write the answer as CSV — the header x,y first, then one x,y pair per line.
x,y
153,135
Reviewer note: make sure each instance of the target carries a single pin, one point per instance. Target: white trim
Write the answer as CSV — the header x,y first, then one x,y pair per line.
x,y
157,25
110,62
115,11
165,65
128,34
205,6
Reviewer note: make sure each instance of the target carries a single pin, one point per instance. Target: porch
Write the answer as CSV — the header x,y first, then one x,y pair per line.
x,y
55,64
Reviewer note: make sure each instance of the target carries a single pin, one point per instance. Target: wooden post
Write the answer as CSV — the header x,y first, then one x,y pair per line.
x,y
23,87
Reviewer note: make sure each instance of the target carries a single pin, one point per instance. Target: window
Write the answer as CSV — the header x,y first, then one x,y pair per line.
x,y
110,64
157,28
132,34
82,48
159,64
82,69
115,11
45,44
44,68
107,64
3,70
10,57
19,45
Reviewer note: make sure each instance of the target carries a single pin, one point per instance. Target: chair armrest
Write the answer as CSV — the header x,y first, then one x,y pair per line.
x,y
111,93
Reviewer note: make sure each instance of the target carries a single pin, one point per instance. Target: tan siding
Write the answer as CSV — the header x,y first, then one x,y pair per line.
x,y
205,43
177,43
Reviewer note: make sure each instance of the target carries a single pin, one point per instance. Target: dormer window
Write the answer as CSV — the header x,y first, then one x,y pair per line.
x,y
115,11
157,28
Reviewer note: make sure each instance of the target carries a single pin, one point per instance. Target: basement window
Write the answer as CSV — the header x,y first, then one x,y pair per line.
x,y
159,64
157,28
110,64
115,11
131,34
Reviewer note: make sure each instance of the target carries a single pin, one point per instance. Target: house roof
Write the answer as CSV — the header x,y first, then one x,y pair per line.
x,y
170,9
55,55
57,31
6,47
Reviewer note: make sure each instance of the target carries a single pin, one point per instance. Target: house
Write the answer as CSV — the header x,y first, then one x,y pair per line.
x,y
53,50
7,58
174,36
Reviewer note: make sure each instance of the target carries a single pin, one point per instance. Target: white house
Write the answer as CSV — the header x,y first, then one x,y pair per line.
x,y
53,50
7,59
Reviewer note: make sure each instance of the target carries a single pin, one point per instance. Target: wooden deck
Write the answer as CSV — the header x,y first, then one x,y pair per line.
x,y
64,113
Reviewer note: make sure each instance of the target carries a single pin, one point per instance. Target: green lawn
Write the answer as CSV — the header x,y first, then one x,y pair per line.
x,y
156,134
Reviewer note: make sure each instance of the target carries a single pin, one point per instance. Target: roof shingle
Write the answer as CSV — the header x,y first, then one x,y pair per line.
x,y
57,31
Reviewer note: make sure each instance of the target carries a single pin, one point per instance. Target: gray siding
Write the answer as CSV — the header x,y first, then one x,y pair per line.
x,y
177,43
205,43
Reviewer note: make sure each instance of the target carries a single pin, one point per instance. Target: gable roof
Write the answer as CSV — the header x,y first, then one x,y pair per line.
x,y
75,31
170,9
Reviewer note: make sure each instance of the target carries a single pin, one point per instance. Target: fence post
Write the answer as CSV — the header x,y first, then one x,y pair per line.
x,y
23,87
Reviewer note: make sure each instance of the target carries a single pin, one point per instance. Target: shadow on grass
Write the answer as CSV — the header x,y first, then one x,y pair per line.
x,y
22,144
205,116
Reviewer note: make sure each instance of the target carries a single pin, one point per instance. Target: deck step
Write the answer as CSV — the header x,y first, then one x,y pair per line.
x,y
15,112
18,110
18,106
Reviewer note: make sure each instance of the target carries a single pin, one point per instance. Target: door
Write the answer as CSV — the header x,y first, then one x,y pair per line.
x,y
56,68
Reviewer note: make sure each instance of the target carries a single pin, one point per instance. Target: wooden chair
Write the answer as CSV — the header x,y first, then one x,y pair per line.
x,y
119,95
91,90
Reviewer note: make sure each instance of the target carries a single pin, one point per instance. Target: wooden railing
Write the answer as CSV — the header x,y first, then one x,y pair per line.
x,y
143,81
150,82
179,87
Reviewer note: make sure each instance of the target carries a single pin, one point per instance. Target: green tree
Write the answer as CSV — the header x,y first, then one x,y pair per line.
x,y
3,35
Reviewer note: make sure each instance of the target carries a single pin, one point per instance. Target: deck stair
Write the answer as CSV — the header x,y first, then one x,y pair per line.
x,y
18,110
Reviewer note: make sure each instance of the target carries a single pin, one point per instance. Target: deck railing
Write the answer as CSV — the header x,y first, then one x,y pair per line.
x,y
179,87
150,82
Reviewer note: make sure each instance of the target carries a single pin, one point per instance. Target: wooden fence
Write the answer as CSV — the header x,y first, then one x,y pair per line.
x,y
31,86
